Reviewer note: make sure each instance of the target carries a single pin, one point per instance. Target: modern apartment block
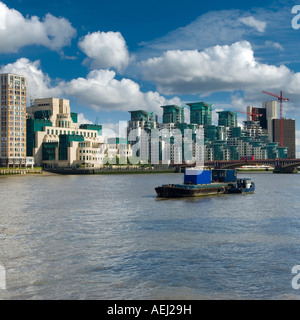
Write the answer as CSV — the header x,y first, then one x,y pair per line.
x,y
13,121
225,141
227,119
173,114
138,132
200,113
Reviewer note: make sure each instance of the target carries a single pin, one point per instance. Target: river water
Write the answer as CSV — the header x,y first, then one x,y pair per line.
x,y
109,237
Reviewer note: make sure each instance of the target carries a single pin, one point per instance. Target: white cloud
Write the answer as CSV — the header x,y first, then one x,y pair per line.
x,y
83,120
38,83
218,28
100,90
105,50
110,130
275,45
218,68
53,33
250,21
215,27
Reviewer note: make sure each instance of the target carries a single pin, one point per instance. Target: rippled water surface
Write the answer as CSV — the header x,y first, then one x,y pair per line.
x,y
109,237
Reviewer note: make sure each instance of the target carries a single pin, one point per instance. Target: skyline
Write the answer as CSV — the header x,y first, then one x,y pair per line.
x,y
113,58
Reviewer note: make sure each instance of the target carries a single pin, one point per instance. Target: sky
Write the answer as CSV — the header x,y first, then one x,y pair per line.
x,y
111,57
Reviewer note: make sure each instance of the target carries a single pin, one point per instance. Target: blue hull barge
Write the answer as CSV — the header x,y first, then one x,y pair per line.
x,y
198,182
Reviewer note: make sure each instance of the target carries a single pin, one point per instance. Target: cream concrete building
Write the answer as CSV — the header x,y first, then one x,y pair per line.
x,y
56,139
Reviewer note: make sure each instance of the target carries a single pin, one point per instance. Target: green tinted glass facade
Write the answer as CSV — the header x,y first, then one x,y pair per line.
x,y
227,119
48,150
64,144
34,125
200,113
173,114
97,127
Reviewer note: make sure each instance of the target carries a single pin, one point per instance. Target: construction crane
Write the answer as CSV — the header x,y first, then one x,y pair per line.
x,y
280,98
251,114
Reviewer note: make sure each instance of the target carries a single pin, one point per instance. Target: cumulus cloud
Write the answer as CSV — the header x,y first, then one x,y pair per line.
x,y
250,21
218,68
38,83
215,27
218,28
273,44
99,90
105,50
82,119
110,130
51,32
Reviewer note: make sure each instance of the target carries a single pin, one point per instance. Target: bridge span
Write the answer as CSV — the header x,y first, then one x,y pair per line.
x,y
279,165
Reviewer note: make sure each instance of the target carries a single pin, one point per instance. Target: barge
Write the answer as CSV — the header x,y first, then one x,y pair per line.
x,y
244,185
198,182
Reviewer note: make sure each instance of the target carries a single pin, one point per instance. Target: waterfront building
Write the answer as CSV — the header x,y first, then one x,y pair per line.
x,y
180,144
267,117
200,113
54,137
118,150
141,119
252,129
225,141
173,114
13,121
257,114
227,119
138,132
289,135
264,115
235,132
271,114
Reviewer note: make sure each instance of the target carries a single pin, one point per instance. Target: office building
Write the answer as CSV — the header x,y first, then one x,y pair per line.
x,y
289,135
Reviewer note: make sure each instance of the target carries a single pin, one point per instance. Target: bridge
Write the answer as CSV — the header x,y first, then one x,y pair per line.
x,y
279,165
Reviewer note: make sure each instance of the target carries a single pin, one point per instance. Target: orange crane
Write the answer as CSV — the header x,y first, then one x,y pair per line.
x,y
280,98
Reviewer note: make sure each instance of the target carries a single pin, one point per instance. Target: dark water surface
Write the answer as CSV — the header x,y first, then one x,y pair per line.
x,y
109,237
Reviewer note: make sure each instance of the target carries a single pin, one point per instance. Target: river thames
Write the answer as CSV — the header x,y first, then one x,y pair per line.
x,y
109,237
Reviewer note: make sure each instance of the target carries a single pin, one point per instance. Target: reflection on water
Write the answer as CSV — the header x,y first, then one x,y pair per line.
x,y
109,237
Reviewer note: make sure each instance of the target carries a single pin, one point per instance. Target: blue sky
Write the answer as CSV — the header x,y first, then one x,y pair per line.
x,y
109,57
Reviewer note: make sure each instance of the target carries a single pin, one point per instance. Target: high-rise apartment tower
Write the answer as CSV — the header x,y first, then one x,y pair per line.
x,y
13,120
